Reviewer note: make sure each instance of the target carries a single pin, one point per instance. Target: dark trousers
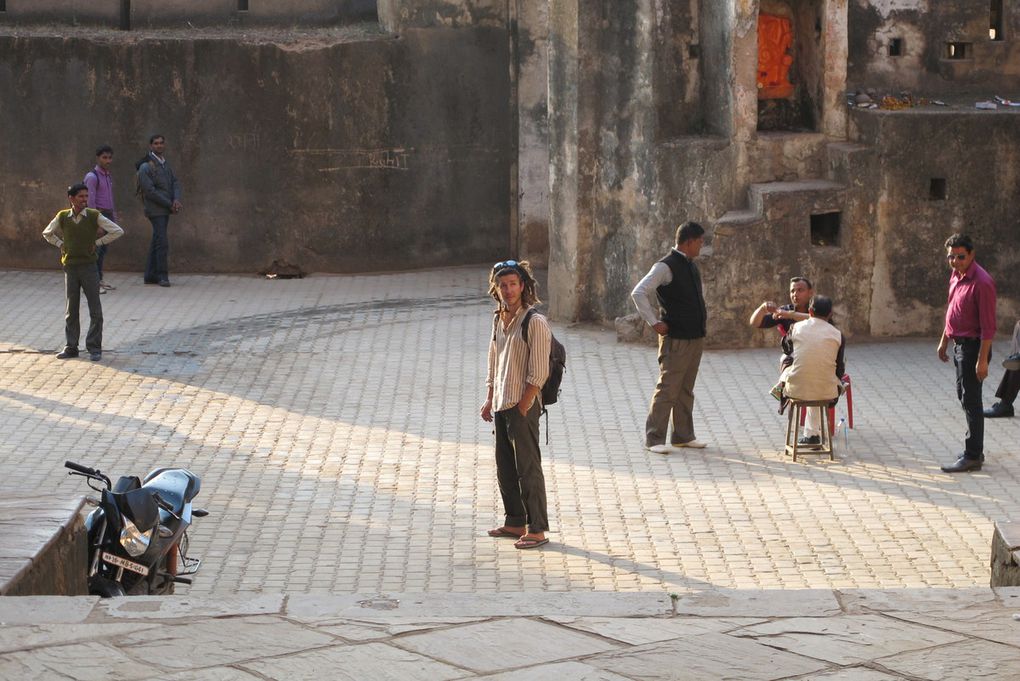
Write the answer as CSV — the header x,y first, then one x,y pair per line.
x,y
1009,386
101,250
968,390
156,269
78,278
519,469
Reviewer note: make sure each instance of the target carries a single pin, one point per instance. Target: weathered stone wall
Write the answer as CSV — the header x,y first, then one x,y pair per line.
x,y
647,133
397,15
188,13
978,154
336,155
924,28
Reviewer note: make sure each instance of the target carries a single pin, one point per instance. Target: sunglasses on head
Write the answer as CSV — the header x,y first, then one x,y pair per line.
x,y
505,264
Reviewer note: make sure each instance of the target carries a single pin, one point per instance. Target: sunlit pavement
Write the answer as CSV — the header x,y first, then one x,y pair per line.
x,y
334,423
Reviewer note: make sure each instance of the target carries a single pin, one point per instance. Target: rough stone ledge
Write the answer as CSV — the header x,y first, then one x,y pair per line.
x,y
42,546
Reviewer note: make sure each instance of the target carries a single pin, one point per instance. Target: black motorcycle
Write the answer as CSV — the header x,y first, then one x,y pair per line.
x,y
138,532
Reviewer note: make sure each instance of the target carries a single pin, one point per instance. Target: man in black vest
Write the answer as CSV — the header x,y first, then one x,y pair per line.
x,y
78,232
670,300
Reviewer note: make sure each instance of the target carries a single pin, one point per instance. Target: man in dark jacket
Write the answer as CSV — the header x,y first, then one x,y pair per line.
x,y
161,197
670,300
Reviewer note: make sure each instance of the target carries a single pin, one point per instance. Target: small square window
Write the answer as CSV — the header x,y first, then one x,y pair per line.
x,y
937,189
896,47
242,5
694,51
957,51
825,229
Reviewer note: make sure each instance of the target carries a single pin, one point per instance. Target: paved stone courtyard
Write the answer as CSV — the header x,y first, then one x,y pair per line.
x,y
334,423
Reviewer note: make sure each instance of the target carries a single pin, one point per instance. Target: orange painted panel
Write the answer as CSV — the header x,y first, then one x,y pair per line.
x,y
775,37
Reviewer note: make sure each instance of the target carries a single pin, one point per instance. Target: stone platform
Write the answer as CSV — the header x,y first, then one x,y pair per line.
x,y
43,546
815,635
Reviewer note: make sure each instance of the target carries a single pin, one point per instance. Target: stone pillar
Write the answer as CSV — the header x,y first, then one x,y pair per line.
x,y
532,237
601,136
567,216
834,51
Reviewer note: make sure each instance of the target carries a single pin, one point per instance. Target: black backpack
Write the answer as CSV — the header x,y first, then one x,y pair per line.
x,y
557,363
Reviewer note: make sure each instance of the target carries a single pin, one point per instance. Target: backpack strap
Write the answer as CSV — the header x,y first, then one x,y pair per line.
x,y
524,323
524,334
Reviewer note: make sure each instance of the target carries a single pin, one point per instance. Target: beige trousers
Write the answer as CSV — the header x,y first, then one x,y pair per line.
x,y
679,360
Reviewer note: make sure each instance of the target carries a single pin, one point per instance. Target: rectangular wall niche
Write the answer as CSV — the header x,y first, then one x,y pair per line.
x,y
896,47
957,50
825,229
242,5
937,189
995,20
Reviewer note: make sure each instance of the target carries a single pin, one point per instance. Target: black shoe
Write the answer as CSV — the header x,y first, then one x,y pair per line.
x,y
95,356
963,465
999,410
67,354
164,283
813,440
1012,363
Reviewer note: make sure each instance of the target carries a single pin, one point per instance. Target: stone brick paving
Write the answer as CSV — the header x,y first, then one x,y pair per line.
x,y
334,422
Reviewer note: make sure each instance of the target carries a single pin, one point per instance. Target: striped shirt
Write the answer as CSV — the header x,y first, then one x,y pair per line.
x,y
513,364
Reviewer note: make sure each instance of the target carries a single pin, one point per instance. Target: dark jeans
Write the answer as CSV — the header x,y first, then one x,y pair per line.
x,y
156,265
968,390
519,469
78,278
1009,386
101,250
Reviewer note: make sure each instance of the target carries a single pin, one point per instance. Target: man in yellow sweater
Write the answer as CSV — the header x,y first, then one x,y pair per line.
x,y
77,231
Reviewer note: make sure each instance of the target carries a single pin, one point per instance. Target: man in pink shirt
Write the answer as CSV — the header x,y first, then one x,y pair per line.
x,y
100,185
970,325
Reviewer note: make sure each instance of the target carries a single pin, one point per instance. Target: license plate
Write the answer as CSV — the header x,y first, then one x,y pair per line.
x,y
126,564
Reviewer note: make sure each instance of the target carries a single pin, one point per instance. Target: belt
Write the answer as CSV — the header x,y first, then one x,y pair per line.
x,y
959,340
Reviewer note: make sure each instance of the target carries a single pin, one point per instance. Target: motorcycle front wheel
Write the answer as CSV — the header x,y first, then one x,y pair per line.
x,y
105,588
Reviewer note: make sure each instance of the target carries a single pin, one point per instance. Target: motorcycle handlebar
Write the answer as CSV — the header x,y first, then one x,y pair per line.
x,y
85,470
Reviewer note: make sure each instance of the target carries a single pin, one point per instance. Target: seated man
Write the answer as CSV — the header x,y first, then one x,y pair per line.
x,y
768,314
1009,386
814,374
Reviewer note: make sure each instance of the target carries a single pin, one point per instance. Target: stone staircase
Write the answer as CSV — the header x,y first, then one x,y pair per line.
x,y
773,201
770,203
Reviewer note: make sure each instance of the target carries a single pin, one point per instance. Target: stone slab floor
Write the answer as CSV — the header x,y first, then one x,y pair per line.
x,y
334,423
810,635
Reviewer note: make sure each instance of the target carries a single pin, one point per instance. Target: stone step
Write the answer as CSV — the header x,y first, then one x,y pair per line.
x,y
812,194
736,221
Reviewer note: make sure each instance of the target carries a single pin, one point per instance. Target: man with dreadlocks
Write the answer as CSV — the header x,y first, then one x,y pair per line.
x,y
517,370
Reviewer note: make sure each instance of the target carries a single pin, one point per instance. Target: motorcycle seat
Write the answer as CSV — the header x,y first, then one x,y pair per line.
x,y
176,486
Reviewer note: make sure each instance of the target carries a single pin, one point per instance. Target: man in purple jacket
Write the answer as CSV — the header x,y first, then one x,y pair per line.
x,y
970,324
100,184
